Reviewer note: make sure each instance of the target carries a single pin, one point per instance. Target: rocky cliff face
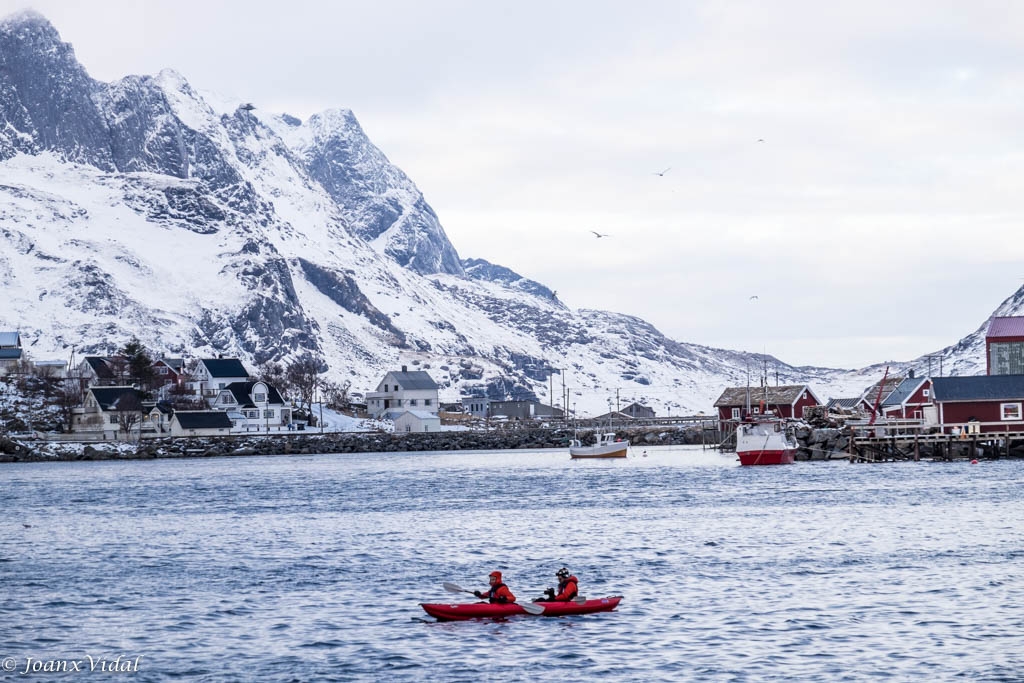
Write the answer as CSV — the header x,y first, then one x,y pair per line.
x,y
137,208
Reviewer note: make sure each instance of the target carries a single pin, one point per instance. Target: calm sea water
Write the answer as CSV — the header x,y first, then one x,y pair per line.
x,y
311,568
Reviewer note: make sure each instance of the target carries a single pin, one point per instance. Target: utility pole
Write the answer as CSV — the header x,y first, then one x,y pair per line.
x,y
616,399
551,392
565,407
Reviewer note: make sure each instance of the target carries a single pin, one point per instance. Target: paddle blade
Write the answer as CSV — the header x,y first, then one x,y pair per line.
x,y
531,608
452,588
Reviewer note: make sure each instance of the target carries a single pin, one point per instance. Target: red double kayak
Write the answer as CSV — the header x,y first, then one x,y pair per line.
x,y
486,610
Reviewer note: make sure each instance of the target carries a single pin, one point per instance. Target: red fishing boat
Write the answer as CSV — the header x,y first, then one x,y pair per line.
x,y
486,610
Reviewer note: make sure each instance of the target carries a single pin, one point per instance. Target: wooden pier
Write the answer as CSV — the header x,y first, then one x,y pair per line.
x,y
911,440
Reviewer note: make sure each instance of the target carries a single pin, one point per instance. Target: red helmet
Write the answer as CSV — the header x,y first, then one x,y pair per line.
x,y
496,574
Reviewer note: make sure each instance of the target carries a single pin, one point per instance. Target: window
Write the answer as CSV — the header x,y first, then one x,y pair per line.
x,y
412,401
268,413
113,419
221,385
259,398
226,398
735,413
926,393
1010,411
427,401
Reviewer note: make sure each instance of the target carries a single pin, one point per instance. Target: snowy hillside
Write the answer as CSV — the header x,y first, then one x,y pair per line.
x,y
138,208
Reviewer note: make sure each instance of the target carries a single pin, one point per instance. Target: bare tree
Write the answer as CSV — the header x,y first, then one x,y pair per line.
x,y
67,397
129,411
303,377
337,394
273,374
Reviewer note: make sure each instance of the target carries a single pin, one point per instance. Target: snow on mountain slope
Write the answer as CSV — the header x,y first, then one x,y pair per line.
x,y
139,208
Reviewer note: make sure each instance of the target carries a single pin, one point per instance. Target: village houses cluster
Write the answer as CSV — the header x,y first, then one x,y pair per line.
x,y
227,399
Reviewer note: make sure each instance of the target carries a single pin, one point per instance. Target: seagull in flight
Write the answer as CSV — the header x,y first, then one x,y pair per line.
x,y
662,173
753,297
598,234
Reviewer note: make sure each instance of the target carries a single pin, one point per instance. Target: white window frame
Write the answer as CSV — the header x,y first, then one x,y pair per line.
x,y
926,392
1010,412
735,413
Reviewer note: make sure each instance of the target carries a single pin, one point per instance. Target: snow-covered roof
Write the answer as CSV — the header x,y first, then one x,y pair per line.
x,y
737,396
420,414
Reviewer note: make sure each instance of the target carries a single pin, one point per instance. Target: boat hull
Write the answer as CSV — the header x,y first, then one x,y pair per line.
x,y
767,457
615,449
485,610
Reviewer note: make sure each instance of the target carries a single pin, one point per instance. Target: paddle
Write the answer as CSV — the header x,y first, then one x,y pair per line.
x,y
529,608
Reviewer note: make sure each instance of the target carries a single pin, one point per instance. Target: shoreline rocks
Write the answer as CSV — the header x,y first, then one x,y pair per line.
x,y
307,444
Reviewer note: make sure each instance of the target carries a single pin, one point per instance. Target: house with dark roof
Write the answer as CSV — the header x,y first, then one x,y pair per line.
x,y
106,410
842,405
1004,346
783,401
521,410
401,391
200,423
992,403
253,407
636,410
10,351
168,371
213,374
103,371
910,400
878,393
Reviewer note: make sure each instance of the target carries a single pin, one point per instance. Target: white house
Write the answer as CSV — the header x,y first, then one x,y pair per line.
x,y
214,374
253,406
401,391
105,409
417,421
200,423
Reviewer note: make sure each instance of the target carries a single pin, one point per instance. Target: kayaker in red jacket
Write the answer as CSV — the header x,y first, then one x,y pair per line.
x,y
499,592
568,587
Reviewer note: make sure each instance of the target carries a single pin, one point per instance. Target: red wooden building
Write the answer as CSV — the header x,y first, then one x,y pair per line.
x,y
787,401
993,401
1004,346
910,399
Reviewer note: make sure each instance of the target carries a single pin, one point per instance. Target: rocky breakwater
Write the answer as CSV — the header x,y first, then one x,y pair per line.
x,y
822,443
349,442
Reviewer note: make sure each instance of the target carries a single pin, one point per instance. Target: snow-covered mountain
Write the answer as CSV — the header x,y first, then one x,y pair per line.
x,y
139,208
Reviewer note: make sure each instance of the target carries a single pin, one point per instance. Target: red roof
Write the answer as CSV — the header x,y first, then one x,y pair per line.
x,y
1006,327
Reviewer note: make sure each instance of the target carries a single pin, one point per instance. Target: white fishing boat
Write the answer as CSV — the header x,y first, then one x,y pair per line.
x,y
764,440
606,446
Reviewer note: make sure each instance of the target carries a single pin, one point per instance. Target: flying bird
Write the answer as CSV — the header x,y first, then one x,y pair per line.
x,y
753,297
662,173
760,139
598,234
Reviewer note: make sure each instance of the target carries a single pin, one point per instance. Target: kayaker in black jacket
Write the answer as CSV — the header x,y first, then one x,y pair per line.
x,y
499,592
568,588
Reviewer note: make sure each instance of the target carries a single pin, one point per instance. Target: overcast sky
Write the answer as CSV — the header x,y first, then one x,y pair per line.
x,y
858,167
